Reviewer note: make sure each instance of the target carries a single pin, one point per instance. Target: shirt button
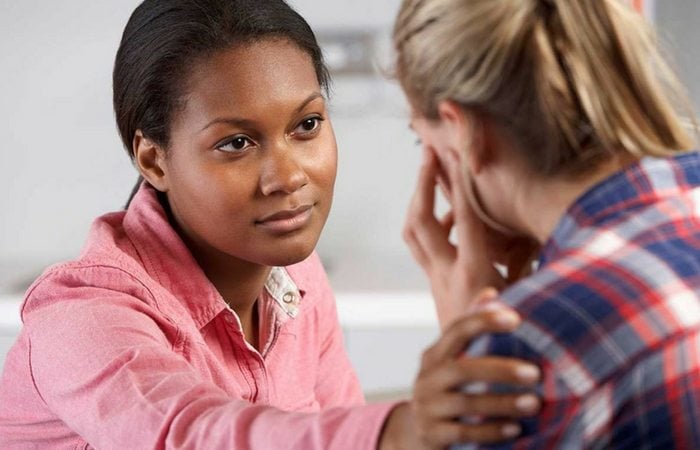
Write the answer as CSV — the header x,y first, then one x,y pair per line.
x,y
228,318
288,297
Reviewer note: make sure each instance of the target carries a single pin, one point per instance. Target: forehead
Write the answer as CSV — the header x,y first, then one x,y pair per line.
x,y
250,77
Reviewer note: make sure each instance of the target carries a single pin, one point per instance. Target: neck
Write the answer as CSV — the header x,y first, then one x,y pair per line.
x,y
542,203
240,283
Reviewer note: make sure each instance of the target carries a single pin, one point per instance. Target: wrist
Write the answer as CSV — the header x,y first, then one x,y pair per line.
x,y
396,432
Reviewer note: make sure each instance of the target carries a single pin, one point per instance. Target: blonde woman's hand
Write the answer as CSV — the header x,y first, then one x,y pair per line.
x,y
456,272
431,420
512,252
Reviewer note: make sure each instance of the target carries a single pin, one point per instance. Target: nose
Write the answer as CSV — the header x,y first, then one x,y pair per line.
x,y
282,172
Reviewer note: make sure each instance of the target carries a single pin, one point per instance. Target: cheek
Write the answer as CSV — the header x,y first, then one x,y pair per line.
x,y
205,196
330,168
323,166
193,182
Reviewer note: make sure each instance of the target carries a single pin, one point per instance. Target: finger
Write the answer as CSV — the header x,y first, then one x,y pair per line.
x,y
432,236
470,230
421,222
421,201
443,434
423,198
414,246
457,404
496,369
447,222
513,406
455,374
444,183
464,329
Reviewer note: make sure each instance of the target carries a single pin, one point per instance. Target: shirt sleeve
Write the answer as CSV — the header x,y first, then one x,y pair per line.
x,y
101,362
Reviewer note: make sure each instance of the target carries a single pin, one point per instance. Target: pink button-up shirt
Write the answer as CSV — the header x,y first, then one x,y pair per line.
x,y
130,346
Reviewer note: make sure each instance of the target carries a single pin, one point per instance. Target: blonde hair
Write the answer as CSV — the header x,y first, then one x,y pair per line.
x,y
573,81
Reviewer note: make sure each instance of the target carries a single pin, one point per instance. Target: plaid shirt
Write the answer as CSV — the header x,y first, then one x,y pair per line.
x,y
612,316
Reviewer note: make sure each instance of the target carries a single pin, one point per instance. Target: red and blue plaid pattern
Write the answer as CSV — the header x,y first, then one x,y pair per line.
x,y
613,315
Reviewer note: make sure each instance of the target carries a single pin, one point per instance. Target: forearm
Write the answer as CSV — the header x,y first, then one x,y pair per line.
x,y
244,426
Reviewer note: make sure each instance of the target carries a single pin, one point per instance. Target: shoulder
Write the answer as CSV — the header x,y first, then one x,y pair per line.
x,y
108,261
84,286
590,319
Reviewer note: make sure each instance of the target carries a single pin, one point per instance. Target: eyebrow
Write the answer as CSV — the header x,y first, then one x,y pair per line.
x,y
239,122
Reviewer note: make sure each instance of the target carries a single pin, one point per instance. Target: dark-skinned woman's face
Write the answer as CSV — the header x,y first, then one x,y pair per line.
x,y
252,158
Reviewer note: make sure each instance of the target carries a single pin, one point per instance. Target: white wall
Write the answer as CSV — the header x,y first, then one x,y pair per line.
x,y
678,23
61,159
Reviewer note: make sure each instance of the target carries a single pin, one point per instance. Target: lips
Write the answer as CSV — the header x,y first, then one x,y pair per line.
x,y
287,220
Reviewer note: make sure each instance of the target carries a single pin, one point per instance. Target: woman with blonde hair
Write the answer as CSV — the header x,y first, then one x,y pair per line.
x,y
556,124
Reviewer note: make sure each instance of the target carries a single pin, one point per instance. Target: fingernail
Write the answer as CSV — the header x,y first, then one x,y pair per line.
x,y
527,373
527,403
511,430
490,305
488,293
507,318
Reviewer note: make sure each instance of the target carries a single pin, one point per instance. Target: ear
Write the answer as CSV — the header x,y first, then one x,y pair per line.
x,y
150,161
465,131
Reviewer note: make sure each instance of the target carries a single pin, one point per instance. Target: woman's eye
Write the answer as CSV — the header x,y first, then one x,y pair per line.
x,y
235,144
309,125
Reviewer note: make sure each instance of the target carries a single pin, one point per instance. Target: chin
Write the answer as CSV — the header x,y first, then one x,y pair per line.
x,y
292,248
283,259
289,252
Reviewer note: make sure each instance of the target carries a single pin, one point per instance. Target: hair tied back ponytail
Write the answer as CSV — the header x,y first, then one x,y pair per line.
x,y
573,81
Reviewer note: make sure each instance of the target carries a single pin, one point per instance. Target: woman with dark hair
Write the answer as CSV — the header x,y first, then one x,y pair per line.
x,y
200,317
